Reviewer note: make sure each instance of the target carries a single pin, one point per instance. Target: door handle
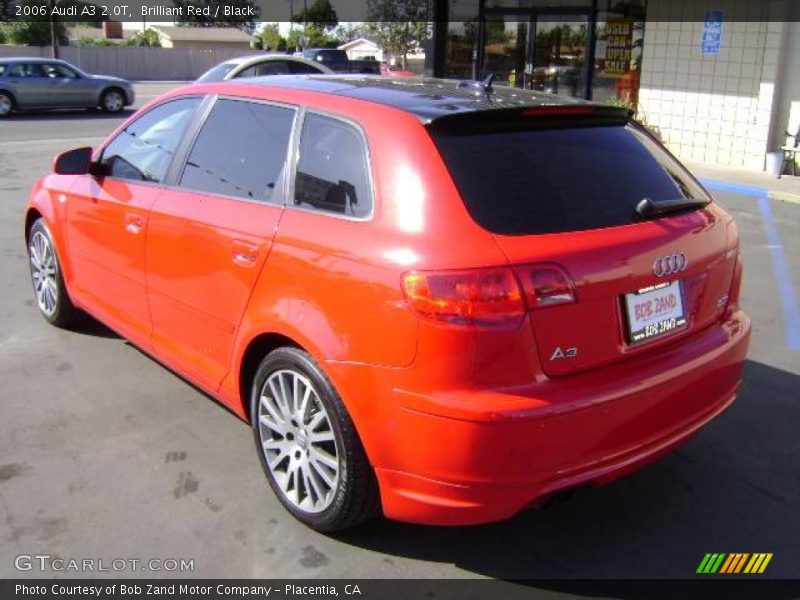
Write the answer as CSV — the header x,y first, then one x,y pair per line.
x,y
133,223
244,253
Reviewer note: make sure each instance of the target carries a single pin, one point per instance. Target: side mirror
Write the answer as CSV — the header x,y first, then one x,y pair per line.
x,y
73,162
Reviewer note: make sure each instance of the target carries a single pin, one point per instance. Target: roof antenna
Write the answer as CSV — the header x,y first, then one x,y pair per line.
x,y
479,87
486,84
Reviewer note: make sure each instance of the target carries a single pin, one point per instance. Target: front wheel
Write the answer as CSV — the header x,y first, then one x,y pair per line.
x,y
308,445
6,104
112,101
48,282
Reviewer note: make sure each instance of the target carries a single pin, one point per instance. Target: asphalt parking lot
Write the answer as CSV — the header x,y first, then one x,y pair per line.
x,y
106,454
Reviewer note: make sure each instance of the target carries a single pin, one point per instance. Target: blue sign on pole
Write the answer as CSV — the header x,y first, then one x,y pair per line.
x,y
712,32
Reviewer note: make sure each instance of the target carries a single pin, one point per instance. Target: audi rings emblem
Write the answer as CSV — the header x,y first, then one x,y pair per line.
x,y
670,264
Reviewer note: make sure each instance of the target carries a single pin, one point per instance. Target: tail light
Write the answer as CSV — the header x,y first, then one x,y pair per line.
x,y
475,297
545,285
487,297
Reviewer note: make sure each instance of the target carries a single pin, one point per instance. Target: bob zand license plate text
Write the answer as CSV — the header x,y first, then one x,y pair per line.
x,y
654,311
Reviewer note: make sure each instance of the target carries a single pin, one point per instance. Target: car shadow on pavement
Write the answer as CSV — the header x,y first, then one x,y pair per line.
x,y
733,488
92,327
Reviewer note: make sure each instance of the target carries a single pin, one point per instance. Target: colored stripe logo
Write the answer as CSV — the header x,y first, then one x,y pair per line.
x,y
737,562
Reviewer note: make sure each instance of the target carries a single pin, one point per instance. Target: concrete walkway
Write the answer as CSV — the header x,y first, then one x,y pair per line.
x,y
786,189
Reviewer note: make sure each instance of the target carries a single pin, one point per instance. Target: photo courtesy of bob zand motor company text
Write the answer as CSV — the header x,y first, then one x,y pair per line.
x,y
400,299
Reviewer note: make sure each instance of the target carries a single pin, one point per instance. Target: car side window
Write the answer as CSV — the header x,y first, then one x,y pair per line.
x,y
269,67
332,170
143,150
241,151
57,71
296,67
27,70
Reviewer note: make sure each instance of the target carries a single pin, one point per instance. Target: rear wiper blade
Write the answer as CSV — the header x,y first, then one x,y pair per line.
x,y
646,208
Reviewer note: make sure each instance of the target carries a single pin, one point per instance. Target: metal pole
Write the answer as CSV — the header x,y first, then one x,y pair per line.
x,y
590,55
53,36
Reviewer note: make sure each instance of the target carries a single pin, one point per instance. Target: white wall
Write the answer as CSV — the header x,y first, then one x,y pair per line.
x,y
713,108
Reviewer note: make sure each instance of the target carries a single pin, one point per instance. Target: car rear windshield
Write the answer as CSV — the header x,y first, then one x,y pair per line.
x,y
525,180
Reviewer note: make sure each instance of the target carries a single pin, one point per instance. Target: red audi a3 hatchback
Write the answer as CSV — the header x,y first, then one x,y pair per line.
x,y
431,299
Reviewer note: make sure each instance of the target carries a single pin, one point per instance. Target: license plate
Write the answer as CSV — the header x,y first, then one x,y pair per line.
x,y
654,312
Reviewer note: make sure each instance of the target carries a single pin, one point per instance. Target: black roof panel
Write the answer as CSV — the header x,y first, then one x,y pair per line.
x,y
426,98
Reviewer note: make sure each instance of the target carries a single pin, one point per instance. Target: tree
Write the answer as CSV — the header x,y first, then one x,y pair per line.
x,y
270,38
148,38
321,16
398,26
347,32
318,38
294,41
86,40
317,21
33,33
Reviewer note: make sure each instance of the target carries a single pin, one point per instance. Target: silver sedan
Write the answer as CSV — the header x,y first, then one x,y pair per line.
x,y
258,65
36,83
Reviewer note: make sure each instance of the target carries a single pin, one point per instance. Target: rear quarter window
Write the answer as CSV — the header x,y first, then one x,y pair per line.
x,y
332,169
534,181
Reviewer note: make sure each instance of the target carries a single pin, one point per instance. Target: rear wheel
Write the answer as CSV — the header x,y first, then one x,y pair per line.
x,y
48,282
6,104
112,100
308,445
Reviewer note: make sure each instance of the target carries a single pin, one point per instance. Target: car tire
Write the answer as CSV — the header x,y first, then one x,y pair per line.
x,y
7,104
308,444
51,294
112,100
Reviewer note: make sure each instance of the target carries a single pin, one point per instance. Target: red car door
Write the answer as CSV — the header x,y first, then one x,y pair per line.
x,y
207,242
107,217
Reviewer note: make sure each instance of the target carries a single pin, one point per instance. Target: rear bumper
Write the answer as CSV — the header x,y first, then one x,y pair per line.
x,y
483,455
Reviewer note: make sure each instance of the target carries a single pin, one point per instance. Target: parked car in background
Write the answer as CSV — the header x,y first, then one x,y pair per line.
x,y
43,83
261,65
403,285
395,71
337,61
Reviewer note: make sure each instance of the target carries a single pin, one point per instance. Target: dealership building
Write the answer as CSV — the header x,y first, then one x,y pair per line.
x,y
718,81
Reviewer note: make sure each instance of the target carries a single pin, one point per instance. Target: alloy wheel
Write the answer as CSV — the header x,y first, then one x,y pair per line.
x,y
112,101
297,440
43,270
5,105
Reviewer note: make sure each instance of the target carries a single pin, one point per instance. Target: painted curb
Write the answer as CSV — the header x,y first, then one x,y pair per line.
x,y
784,197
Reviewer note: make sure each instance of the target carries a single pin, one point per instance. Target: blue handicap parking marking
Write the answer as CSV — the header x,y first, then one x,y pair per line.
x,y
780,265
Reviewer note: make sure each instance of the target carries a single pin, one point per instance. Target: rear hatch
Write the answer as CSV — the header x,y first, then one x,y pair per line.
x,y
617,248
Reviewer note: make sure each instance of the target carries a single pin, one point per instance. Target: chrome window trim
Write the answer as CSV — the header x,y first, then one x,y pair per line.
x,y
290,205
192,140
164,184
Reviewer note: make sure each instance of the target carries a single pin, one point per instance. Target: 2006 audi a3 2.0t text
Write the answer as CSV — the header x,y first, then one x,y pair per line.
x,y
432,299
